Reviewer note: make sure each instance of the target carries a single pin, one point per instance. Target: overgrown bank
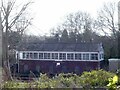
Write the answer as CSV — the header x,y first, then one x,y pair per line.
x,y
93,79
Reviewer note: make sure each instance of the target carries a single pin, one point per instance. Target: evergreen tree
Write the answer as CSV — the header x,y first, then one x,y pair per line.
x,y
64,37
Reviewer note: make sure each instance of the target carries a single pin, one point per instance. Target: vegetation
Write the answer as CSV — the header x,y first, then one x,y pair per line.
x,y
12,22
112,82
93,79
78,27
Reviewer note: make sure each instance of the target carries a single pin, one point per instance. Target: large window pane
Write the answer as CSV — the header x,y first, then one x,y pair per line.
x,y
70,56
35,55
27,55
31,55
40,55
85,56
78,56
24,56
62,56
54,55
94,56
101,56
46,55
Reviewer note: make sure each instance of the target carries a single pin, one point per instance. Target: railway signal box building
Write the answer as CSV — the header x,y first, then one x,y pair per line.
x,y
57,58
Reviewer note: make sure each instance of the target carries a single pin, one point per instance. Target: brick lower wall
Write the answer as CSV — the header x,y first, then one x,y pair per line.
x,y
58,66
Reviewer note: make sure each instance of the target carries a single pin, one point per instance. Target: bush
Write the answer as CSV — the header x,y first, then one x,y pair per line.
x,y
15,84
91,79
118,73
113,83
95,78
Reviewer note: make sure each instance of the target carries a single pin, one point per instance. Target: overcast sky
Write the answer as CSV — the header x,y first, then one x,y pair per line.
x,y
50,13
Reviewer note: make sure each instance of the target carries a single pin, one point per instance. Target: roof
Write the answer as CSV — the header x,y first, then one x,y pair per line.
x,y
78,47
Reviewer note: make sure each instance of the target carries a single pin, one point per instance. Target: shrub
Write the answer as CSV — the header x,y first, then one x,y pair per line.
x,y
46,82
68,80
118,74
15,84
113,83
95,78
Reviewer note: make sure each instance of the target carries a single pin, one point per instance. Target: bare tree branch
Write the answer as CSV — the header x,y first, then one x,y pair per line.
x,y
106,18
7,24
12,22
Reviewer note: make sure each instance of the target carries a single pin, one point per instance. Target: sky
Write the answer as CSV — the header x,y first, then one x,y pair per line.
x,y
48,14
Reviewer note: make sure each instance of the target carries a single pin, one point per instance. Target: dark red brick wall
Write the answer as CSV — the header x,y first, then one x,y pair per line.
x,y
65,66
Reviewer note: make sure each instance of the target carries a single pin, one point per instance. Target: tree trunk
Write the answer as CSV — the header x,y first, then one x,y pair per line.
x,y
6,65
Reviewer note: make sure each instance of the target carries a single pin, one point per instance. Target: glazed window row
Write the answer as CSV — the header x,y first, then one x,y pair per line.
x,y
61,56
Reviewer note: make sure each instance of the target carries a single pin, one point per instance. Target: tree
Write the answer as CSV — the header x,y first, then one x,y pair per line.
x,y
14,39
79,26
75,22
15,35
8,22
64,37
0,42
119,43
106,19
118,34
107,23
72,37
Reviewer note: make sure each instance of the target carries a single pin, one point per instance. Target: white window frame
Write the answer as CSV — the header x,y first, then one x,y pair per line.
x,y
47,55
35,56
58,52
77,57
62,57
54,55
70,56
39,55
94,56
85,56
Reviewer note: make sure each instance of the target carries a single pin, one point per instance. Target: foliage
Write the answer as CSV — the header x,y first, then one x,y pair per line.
x,y
15,84
118,74
91,79
112,83
95,78
68,80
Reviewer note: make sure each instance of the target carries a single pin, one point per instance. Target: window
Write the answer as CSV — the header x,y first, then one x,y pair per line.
x,y
85,56
27,55
23,55
70,56
62,56
54,55
31,55
94,56
78,56
101,56
35,55
40,55
46,55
